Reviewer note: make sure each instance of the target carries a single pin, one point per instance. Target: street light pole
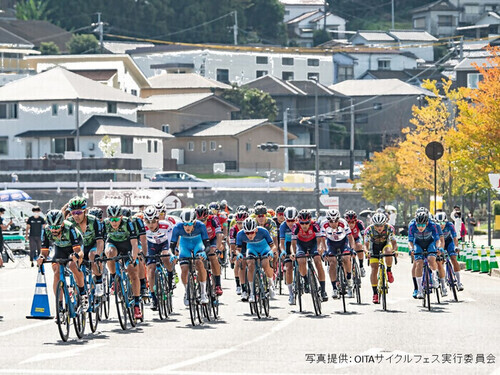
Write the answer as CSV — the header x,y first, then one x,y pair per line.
x,y
285,136
77,117
316,140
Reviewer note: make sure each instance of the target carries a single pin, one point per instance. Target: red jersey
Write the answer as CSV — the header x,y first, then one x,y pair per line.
x,y
213,227
305,236
358,229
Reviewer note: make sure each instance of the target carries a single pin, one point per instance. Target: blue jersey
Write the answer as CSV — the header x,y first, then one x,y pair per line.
x,y
449,231
412,228
285,232
430,233
262,235
199,230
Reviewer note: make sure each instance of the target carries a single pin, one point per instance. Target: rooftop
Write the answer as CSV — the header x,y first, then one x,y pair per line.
x,y
378,87
303,2
174,102
184,80
221,128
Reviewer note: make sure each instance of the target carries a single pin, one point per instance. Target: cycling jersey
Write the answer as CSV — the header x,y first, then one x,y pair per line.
x,y
125,231
93,232
306,239
232,234
358,230
425,240
285,232
159,240
190,244
278,227
69,241
222,219
377,241
338,234
213,227
259,245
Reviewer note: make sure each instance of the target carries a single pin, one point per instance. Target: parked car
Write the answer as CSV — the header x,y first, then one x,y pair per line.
x,y
175,176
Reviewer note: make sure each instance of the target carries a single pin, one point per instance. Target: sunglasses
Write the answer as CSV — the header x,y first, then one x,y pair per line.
x,y
188,224
332,221
261,216
54,227
421,225
77,212
150,221
304,222
291,221
115,219
239,222
280,214
252,232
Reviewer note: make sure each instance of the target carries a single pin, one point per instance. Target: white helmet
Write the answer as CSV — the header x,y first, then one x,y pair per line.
x,y
441,216
379,218
249,225
188,216
333,214
291,213
150,213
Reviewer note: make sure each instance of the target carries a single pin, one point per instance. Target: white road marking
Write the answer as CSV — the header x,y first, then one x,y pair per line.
x,y
25,328
222,352
61,354
122,372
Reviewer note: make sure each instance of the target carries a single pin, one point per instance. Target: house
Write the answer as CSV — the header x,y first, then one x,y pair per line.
x,y
411,76
173,113
466,73
440,18
486,27
472,11
302,28
382,108
233,142
55,102
114,70
372,38
295,8
182,83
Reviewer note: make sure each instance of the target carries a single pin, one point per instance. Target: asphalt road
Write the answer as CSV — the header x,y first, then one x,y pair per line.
x,y
364,340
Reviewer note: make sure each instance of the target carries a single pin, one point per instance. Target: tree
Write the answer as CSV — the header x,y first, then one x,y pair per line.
x,y
83,43
49,48
253,103
32,10
320,36
108,147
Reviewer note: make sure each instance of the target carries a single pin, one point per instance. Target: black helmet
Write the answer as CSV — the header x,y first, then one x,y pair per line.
x,y
260,210
350,215
280,209
96,211
201,211
114,210
214,206
304,215
422,218
241,215
242,207
126,212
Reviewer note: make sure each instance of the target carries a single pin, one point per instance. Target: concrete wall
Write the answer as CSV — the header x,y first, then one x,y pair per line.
x,y
369,61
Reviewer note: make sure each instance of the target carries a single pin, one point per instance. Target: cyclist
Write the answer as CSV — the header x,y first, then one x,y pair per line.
x,y
265,221
161,209
192,237
215,237
337,234
377,238
142,242
219,211
423,235
290,214
97,212
306,238
68,242
357,229
93,242
158,234
258,242
240,264
450,245
121,239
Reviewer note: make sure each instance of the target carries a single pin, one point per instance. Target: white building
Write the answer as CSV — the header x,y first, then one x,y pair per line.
x,y
294,8
301,28
40,114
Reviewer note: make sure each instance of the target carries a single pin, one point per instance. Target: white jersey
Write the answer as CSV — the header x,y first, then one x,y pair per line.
x,y
336,234
163,232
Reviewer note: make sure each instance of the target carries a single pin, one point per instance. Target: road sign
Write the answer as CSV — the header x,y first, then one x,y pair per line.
x,y
434,150
219,167
495,180
324,191
172,202
134,198
330,202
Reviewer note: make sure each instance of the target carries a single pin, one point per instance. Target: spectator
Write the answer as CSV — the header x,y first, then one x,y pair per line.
x,y
2,228
471,223
34,226
456,216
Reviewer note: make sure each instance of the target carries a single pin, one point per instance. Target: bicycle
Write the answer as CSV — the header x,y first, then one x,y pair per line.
x,y
193,292
68,301
382,280
260,288
212,308
124,297
161,287
105,299
278,275
342,277
314,288
356,277
298,284
451,277
94,302
426,283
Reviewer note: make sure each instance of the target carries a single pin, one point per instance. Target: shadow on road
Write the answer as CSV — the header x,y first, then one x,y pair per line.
x,y
391,311
347,313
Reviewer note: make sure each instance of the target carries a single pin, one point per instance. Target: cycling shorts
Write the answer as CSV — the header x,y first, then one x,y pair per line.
x,y
304,248
190,246
89,249
123,247
254,249
430,246
155,249
377,249
450,248
62,252
335,247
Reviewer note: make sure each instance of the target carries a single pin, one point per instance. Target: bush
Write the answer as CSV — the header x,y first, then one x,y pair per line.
x,y
496,207
84,43
49,48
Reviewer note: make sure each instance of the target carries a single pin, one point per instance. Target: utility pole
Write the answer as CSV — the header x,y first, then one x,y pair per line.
x,y
392,13
324,19
77,120
316,140
285,137
351,147
100,30
235,28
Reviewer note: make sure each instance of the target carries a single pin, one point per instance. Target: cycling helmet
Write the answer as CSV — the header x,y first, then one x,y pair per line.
x,y
350,215
271,212
304,215
201,211
150,213
242,215
77,203
422,218
379,218
258,203
214,206
242,207
223,204
188,216
291,213
260,210
126,212
333,214
114,210
441,217
280,209
421,209
96,211
249,225
158,206
54,217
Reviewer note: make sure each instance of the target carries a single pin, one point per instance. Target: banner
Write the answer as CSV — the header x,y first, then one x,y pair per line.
x,y
136,198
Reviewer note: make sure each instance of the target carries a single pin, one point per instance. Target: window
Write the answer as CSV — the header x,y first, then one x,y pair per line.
x,y
445,20
213,145
313,76
112,107
261,73
472,9
345,72
60,145
223,75
8,110
149,145
384,65
156,147
312,62
361,118
287,12
133,92
140,117
377,106
190,146
249,146
419,23
261,60
491,7
165,128
55,109
473,79
287,76
203,146
70,109
29,150
287,61
4,146
127,145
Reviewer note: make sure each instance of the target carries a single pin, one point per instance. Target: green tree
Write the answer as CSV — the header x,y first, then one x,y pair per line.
x,y
32,10
49,48
83,43
253,103
320,36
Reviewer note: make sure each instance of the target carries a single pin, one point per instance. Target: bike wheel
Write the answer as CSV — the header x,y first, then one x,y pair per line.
x,y
451,280
106,298
62,311
428,289
191,295
265,294
356,275
342,285
257,295
214,301
384,290
315,293
94,307
121,304
298,287
80,318
131,302
159,296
